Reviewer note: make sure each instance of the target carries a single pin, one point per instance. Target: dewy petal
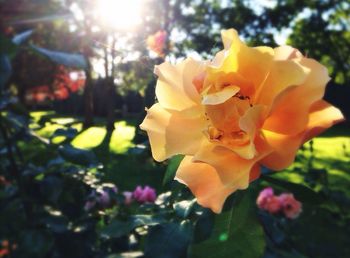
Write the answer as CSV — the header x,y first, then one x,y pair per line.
x,y
252,63
175,90
322,116
205,183
290,112
170,133
220,96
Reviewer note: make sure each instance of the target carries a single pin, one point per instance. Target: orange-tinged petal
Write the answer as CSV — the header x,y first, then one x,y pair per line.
x,y
285,148
255,172
252,63
204,182
220,96
170,133
283,74
232,169
290,112
286,52
252,119
322,116
175,89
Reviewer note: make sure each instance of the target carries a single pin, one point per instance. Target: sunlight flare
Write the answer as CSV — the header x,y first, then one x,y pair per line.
x,y
119,14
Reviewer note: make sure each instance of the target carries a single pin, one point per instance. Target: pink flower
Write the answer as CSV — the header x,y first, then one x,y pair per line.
x,y
156,42
273,205
147,194
263,197
290,206
128,197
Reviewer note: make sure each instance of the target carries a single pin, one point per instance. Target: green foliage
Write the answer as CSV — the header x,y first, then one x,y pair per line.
x,y
169,240
236,231
301,192
171,169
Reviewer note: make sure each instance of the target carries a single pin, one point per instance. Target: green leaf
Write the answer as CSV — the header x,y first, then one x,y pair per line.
x,y
120,228
117,229
69,133
169,240
35,242
184,208
66,59
301,192
7,46
146,220
77,156
204,226
5,71
172,168
236,233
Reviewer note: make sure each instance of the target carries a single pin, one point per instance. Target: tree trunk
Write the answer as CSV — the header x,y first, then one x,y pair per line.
x,y
110,103
88,99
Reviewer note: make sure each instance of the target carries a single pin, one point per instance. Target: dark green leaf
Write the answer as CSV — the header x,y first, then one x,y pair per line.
x,y
169,240
236,232
301,192
204,226
76,155
35,242
183,208
146,220
6,46
51,188
67,59
69,133
171,169
5,70
120,228
117,229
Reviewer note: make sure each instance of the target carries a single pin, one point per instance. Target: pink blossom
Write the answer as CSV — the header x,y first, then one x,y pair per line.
x,y
128,197
264,197
273,205
156,42
147,194
290,206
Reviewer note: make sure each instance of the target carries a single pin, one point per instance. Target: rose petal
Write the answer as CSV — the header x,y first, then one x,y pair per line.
x,y
170,133
283,74
286,53
285,148
290,113
205,183
232,169
220,96
252,63
175,90
322,116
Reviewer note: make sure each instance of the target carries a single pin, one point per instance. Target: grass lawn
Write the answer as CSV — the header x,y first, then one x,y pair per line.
x,y
331,151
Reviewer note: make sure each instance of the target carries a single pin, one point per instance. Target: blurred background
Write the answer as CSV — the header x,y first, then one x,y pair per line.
x,y
76,77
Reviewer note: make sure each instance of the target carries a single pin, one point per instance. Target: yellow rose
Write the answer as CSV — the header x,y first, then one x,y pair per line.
x,y
247,108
